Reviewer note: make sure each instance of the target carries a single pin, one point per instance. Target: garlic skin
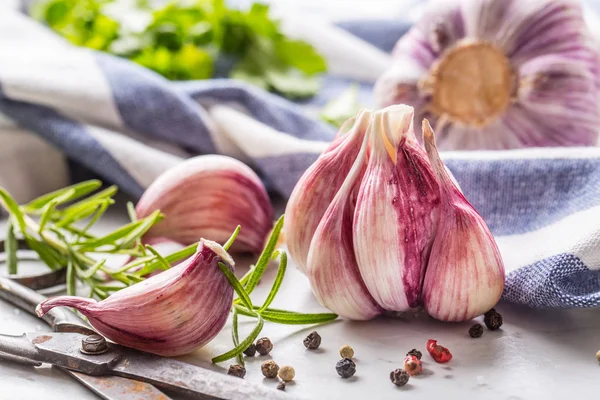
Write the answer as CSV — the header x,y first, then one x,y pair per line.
x,y
331,265
170,314
209,196
396,212
465,272
499,74
317,187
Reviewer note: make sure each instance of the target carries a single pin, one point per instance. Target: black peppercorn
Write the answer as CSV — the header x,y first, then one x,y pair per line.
x,y
250,351
476,331
399,377
492,319
312,341
237,370
345,368
416,353
264,346
281,386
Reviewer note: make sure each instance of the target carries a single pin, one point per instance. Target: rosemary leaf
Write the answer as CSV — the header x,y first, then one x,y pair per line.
x,y
46,214
103,194
163,263
265,257
243,345
276,283
144,225
47,254
171,258
71,283
236,337
237,286
230,241
11,249
13,208
131,212
297,319
88,273
83,211
78,190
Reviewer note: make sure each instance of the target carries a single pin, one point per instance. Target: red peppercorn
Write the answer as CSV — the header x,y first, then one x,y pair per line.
x,y
439,353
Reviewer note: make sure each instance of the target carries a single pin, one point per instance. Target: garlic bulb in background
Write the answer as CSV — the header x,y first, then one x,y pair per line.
x,y
172,313
398,233
499,74
323,179
396,212
209,196
465,273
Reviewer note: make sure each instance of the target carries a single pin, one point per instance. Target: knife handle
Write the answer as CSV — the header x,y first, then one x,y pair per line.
x,y
59,319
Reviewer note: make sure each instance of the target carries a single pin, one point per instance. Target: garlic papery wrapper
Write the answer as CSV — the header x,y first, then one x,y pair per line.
x,y
465,273
208,196
322,179
331,266
499,74
396,212
172,313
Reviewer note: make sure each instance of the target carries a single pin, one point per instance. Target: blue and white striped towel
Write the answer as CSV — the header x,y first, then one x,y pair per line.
x,y
128,125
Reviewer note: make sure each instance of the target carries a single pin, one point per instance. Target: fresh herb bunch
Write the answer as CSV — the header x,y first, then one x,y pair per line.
x,y
183,40
243,305
57,227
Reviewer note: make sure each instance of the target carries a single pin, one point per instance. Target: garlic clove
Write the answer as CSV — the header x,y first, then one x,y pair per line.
x,y
331,265
172,313
465,273
396,212
318,186
209,196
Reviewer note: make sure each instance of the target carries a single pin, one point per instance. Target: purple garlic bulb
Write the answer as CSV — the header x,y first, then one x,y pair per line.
x,y
499,74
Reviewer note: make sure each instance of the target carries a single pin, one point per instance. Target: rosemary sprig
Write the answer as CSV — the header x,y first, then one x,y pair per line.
x,y
242,305
56,227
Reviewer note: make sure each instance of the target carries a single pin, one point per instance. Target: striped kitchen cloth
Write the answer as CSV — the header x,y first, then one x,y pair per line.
x,y
128,125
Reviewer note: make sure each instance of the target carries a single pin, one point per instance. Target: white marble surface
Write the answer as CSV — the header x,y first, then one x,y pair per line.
x,y
546,354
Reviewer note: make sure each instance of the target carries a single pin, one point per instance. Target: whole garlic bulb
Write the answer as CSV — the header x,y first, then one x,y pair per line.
x,y
172,313
499,74
398,233
209,196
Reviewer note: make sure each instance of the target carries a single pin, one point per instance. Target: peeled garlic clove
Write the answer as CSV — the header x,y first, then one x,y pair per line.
x,y
317,187
209,196
331,265
172,313
465,273
396,212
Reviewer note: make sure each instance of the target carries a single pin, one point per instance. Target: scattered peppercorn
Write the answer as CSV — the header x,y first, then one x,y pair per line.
x,y
492,319
476,331
250,351
287,373
416,353
264,346
439,353
345,368
413,365
281,386
269,369
399,377
237,370
312,341
346,351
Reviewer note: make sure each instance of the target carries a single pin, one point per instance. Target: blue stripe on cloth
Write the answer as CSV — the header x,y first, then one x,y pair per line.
x,y
381,34
148,104
561,281
518,196
265,107
72,138
284,171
